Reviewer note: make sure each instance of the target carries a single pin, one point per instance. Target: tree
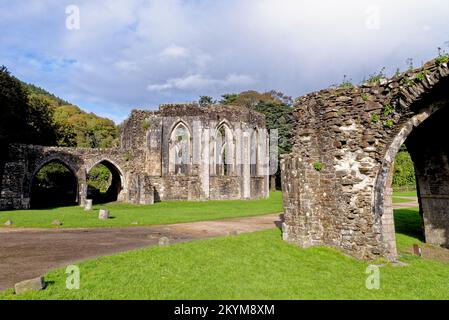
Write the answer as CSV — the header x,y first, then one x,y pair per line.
x,y
14,105
206,101
229,98
278,113
251,98
40,121
280,117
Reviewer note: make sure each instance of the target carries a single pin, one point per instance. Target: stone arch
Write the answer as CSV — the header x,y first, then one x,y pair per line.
x,y
180,148
336,179
223,150
117,185
30,180
411,132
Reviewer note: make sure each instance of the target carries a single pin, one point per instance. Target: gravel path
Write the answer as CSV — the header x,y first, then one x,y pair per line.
x,y
29,253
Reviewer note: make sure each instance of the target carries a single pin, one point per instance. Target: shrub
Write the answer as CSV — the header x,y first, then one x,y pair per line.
x,y
404,170
375,118
389,123
388,110
318,166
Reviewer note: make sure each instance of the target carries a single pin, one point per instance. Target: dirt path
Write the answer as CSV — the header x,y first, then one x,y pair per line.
x,y
412,202
29,253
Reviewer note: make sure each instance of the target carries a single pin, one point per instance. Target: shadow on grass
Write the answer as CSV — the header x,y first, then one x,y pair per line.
x,y
409,222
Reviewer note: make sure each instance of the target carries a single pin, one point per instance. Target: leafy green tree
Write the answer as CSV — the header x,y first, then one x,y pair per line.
x,y
14,107
40,120
278,113
404,171
229,98
99,178
206,101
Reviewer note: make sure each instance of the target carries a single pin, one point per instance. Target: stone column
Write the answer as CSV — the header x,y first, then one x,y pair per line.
x,y
388,228
246,156
264,160
205,162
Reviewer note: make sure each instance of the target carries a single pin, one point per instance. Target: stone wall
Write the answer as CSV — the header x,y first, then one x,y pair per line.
x,y
335,181
142,168
149,133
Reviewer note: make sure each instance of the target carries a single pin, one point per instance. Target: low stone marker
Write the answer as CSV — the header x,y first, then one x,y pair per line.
x,y
88,205
8,223
36,284
417,250
56,223
104,214
234,233
135,223
164,241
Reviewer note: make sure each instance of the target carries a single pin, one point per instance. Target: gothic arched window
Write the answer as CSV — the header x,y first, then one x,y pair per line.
x,y
180,157
224,151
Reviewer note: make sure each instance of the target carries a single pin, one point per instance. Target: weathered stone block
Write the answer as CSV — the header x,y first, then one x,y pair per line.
x,y
88,205
164,241
103,214
36,284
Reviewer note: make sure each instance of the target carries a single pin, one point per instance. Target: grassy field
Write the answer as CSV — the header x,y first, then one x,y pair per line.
x,y
401,200
123,215
252,266
405,194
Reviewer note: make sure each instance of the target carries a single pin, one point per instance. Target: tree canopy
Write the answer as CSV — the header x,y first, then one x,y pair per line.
x,y
34,116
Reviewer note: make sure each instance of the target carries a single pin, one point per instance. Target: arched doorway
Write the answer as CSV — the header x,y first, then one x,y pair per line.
x,y
53,185
425,138
104,182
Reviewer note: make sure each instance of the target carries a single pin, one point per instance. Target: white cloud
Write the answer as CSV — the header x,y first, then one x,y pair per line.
x,y
184,48
198,82
174,52
126,66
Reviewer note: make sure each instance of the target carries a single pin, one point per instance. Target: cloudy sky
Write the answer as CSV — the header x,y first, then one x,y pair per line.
x,y
130,54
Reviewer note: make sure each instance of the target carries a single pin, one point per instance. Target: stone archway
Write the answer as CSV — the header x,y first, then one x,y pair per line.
x,y
116,183
425,137
336,180
53,184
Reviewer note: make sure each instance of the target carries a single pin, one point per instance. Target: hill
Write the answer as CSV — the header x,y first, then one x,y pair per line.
x,y
35,116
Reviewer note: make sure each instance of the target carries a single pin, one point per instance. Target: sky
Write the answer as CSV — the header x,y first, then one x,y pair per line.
x,y
112,56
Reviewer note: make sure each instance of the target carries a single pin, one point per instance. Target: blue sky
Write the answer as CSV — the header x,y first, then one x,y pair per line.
x,y
138,54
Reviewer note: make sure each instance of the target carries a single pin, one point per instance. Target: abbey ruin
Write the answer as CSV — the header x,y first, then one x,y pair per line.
x,y
337,181
180,152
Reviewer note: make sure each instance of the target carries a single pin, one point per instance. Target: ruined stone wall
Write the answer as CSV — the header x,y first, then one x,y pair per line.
x,y
24,161
225,188
345,142
141,165
148,134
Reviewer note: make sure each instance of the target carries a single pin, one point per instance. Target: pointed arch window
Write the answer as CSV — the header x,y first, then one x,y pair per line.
x,y
180,153
224,151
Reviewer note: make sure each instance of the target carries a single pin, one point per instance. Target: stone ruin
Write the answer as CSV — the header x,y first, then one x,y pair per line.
x,y
180,152
337,180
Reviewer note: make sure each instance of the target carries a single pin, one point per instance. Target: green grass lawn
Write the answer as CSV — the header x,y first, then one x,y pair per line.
x,y
401,200
251,266
405,194
123,215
